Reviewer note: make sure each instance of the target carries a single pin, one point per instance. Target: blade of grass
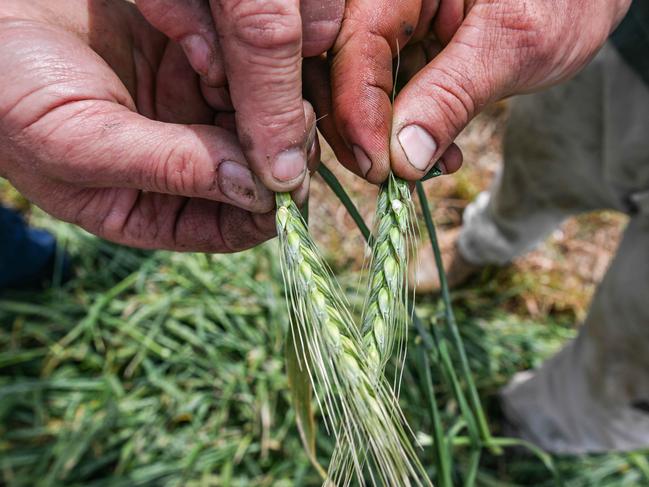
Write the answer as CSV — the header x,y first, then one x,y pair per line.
x,y
641,462
472,470
301,396
443,458
451,323
344,198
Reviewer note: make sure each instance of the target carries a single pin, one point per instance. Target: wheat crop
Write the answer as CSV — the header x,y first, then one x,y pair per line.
x,y
359,406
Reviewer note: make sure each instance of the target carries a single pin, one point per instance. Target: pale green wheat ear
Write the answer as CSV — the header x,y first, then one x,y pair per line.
x,y
359,406
385,313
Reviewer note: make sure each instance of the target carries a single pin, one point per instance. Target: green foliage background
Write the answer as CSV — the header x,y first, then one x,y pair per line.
x,y
152,368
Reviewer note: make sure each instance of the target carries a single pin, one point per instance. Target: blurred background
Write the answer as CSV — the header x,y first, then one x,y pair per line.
x,y
153,368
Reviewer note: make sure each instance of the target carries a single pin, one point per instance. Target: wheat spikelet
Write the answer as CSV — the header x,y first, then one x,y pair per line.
x,y
358,405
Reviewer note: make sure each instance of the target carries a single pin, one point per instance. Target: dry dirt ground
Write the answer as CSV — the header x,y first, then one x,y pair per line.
x,y
559,277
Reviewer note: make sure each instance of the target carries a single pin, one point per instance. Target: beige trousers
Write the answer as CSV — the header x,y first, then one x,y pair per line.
x,y
579,147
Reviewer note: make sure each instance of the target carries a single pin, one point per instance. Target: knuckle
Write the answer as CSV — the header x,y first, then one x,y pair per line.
x,y
267,25
534,38
149,222
276,119
452,95
99,213
526,27
175,172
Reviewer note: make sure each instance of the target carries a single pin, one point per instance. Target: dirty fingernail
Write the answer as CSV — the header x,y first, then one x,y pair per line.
x,y
310,140
197,51
364,162
418,145
312,148
289,165
238,184
301,194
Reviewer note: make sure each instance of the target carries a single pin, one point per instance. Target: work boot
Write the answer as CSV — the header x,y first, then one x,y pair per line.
x,y
422,271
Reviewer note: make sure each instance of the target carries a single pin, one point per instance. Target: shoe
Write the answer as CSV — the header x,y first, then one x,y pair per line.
x,y
422,272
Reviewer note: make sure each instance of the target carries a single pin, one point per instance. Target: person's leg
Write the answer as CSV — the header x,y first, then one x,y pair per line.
x,y
503,223
26,254
594,395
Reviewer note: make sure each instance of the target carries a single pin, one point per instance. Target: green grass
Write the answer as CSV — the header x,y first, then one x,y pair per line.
x,y
167,369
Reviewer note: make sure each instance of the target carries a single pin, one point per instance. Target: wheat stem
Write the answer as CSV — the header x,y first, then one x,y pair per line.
x,y
474,398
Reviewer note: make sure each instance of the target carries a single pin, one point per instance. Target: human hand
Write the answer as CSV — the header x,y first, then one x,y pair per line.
x,y
491,49
253,51
102,125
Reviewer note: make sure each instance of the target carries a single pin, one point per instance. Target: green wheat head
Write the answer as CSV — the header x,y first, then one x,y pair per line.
x,y
385,313
358,404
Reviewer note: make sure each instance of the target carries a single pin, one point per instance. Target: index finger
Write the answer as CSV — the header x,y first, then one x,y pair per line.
x,y
362,80
261,44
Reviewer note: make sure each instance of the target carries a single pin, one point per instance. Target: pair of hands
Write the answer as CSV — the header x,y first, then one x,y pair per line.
x,y
173,136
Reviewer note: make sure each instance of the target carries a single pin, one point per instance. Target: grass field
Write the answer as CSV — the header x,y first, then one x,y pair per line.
x,y
153,368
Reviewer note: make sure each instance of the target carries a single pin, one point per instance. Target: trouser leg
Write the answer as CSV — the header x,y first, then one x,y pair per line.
x,y
492,235
589,150
594,395
24,251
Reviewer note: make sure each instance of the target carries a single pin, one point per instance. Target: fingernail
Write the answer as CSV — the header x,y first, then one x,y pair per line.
x,y
311,143
364,162
197,51
238,184
312,149
310,140
418,145
289,165
301,194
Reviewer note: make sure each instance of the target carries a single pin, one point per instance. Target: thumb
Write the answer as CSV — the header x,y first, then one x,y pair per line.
x,y
100,144
434,107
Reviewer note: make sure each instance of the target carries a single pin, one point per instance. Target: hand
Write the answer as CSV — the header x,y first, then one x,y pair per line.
x,y
491,49
95,114
257,54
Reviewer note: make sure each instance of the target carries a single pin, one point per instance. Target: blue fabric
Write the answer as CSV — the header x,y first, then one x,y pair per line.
x,y
25,253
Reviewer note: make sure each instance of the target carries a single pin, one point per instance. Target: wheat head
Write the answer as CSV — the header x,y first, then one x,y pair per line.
x,y
359,407
385,314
